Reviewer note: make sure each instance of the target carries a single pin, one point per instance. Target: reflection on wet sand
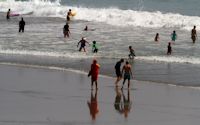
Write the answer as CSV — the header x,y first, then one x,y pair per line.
x,y
93,105
123,107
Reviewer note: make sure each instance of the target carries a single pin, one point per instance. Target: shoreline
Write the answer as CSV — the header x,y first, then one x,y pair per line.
x,y
167,73
85,73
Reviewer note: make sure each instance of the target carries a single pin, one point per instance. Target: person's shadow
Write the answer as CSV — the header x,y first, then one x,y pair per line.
x,y
126,108
122,103
93,105
117,103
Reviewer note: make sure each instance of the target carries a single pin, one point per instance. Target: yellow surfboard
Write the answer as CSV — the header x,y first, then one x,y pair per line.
x,y
73,13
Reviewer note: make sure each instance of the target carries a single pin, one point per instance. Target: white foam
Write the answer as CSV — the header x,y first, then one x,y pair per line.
x,y
83,55
113,16
171,59
73,55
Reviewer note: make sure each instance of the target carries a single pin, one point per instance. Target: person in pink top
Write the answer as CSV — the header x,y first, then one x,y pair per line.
x,y
94,71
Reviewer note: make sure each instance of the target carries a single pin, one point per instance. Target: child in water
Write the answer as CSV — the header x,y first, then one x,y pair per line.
x,y
94,47
169,49
174,36
132,53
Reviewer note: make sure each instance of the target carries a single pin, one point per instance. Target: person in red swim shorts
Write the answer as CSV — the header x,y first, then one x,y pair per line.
x,y
94,71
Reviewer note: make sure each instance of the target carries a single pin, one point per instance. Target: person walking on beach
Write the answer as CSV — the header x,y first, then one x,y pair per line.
x,y
94,72
8,14
132,53
169,49
156,39
174,36
126,70
21,25
118,71
66,31
94,47
69,13
194,34
83,44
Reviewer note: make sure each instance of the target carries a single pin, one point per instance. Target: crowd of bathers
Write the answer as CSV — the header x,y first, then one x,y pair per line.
x,y
126,72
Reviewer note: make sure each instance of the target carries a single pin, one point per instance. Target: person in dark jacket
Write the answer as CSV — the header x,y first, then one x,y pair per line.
x,y
21,25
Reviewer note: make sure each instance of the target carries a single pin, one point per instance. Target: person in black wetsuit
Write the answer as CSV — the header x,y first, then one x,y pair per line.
x,y
118,71
194,34
83,44
66,31
132,53
8,14
21,25
169,49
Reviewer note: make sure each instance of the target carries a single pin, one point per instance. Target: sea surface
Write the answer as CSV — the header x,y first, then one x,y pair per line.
x,y
115,25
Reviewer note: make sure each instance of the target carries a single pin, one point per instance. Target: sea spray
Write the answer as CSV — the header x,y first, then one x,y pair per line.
x,y
112,16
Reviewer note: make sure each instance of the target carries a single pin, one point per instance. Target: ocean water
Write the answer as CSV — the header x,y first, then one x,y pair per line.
x,y
116,25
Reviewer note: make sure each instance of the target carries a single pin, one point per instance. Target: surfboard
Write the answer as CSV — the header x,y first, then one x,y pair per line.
x,y
14,14
18,14
73,13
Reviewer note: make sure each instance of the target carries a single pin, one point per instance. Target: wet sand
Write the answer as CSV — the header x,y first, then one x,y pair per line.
x,y
34,96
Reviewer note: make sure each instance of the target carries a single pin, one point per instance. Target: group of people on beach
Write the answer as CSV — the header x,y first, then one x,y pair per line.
x,y
174,37
126,70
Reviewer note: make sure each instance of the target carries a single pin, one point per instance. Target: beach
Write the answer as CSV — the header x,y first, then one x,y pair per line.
x,y
44,78
41,96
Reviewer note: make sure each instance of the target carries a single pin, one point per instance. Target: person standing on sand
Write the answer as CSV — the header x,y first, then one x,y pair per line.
x,y
21,25
8,14
194,34
83,44
66,31
94,72
118,71
127,73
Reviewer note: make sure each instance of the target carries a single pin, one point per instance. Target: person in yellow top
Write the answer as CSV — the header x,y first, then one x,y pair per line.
x,y
127,73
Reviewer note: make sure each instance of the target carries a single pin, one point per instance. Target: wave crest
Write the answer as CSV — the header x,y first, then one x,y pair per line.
x,y
112,16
